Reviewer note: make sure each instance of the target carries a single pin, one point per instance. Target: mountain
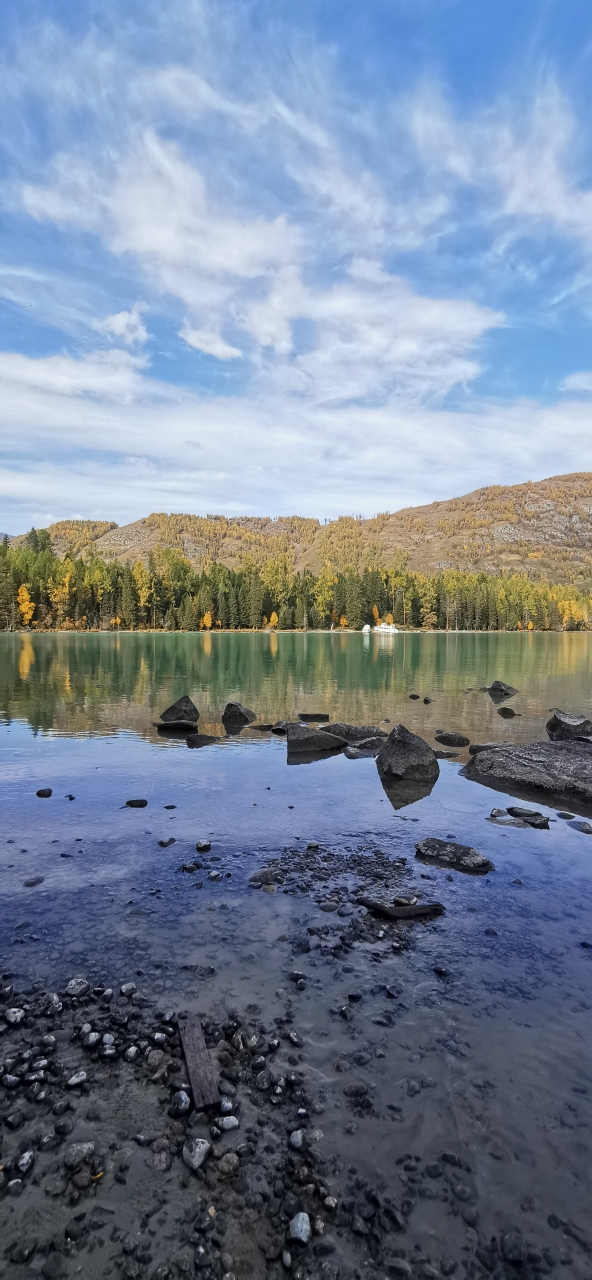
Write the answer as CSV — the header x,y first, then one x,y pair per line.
x,y
543,528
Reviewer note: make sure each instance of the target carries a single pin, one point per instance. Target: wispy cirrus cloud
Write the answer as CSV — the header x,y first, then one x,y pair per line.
x,y
349,259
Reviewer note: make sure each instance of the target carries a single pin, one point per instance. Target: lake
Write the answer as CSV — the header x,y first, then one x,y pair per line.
x,y
484,1047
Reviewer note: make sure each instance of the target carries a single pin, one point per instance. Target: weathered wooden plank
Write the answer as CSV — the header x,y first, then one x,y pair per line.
x,y
199,1064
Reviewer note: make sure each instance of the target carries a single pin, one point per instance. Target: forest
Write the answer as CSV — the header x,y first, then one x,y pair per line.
x,y
42,591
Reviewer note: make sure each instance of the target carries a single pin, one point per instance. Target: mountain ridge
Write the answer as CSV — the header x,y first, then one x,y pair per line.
x,y
542,528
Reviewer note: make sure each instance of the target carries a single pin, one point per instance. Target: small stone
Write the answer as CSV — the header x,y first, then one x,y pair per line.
x,y
300,1229
180,1104
297,1140
127,989
77,987
26,1162
75,1081
32,884
44,793
203,846
13,1016
195,1153
136,804
77,1153
227,1123
513,1247
229,1164
15,1187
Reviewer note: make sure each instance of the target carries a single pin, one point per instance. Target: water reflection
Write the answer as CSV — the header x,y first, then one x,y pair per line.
x,y
97,683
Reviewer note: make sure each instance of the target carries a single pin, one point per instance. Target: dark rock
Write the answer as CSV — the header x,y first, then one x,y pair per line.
x,y
312,717
564,727
32,884
499,690
513,1247
446,755
136,804
418,911
303,739
44,793
280,727
507,713
530,816
164,844
561,769
365,748
406,757
234,714
200,739
452,739
414,697
584,827
355,733
182,712
203,846
448,854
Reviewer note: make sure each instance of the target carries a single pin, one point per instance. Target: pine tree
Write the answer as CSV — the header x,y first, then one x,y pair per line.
x,y
128,607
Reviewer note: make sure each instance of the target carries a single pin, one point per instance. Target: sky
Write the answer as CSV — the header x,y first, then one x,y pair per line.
x,y
274,259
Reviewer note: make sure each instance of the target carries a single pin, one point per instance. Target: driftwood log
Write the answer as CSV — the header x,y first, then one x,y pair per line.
x,y
199,1064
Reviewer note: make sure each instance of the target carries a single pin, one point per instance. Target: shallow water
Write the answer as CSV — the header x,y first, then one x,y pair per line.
x,y
503,1040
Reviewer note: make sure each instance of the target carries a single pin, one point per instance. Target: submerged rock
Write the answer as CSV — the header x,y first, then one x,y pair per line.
x,y
531,817
564,727
235,715
354,734
313,717
365,748
451,739
405,756
200,740
555,768
507,713
449,854
499,690
303,738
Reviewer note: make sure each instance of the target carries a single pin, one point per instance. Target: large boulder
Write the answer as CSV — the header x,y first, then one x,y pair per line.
x,y
563,727
304,740
558,769
406,757
354,733
183,713
235,715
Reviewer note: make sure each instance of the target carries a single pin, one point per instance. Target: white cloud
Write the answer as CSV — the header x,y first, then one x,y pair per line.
x,y
126,325
210,342
525,158
126,444
110,376
577,382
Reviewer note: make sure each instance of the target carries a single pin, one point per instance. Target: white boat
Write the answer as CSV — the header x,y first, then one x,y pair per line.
x,y
386,628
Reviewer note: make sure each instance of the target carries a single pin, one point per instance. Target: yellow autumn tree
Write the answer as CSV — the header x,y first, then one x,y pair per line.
x,y
143,583
25,604
273,621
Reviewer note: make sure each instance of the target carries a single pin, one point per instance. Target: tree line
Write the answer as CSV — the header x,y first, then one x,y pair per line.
x,y
44,592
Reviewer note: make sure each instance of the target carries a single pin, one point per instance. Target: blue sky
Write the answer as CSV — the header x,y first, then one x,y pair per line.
x,y
265,258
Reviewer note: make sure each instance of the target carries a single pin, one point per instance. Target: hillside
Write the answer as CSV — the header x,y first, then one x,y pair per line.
x,y
543,528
